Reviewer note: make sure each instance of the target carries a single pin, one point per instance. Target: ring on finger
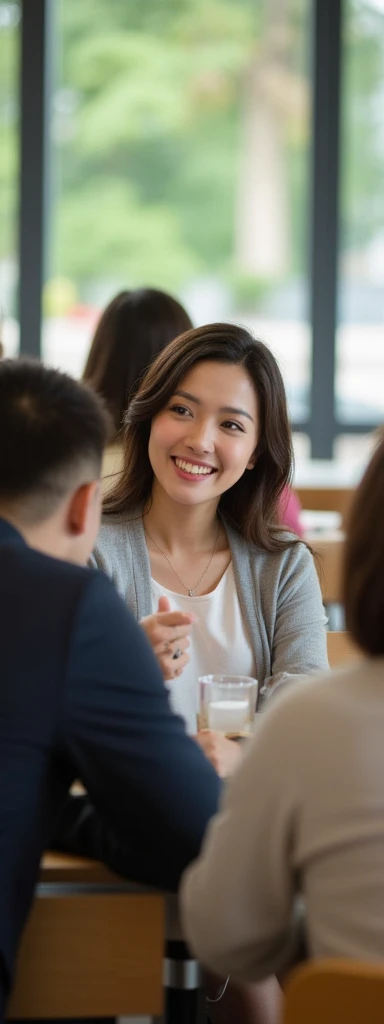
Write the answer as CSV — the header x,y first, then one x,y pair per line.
x,y
177,654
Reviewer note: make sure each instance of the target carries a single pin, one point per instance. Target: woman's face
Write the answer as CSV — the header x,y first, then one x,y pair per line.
x,y
205,438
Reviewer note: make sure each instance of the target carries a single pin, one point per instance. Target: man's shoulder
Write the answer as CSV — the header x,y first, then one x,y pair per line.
x,y
30,563
49,607
50,581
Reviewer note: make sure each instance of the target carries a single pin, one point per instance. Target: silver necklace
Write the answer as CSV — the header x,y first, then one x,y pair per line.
x,y
190,590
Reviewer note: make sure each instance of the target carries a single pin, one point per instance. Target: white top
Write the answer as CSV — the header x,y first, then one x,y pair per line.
x,y
219,641
304,814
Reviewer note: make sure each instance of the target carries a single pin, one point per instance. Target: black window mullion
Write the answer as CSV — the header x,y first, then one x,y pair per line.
x,y
34,151
325,221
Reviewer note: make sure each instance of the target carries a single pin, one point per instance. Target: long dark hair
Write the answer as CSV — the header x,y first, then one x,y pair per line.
x,y
251,505
364,559
132,330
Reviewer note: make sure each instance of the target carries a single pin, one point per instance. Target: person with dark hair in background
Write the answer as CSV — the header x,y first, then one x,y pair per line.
x,y
312,832
134,327
132,330
81,695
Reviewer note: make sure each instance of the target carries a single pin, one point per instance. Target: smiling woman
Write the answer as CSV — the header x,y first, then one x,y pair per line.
x,y
191,532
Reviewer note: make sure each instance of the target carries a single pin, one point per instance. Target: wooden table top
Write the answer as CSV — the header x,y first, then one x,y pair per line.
x,y
61,867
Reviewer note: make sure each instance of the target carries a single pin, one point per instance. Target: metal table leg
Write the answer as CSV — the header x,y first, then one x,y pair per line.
x,y
184,996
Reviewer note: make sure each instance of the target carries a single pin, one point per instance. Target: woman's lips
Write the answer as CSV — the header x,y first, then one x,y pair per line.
x,y
191,470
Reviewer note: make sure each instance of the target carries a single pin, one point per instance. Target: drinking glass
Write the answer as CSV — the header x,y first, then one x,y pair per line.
x,y
227,704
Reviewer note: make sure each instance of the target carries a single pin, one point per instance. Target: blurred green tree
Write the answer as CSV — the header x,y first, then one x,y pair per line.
x,y
158,122
180,132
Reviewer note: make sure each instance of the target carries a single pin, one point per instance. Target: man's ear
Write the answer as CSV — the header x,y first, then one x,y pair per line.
x,y
80,505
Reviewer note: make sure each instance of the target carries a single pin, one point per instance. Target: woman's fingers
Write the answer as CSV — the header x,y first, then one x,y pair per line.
x,y
168,660
180,666
161,634
164,640
168,634
172,668
165,629
223,753
171,620
179,645
168,653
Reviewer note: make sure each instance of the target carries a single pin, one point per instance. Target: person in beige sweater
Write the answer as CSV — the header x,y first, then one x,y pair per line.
x,y
300,837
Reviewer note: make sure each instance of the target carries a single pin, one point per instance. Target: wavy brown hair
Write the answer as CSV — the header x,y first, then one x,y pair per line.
x,y
132,330
364,559
251,505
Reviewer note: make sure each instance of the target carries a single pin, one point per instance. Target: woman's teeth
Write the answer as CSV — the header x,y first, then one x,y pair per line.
x,y
190,467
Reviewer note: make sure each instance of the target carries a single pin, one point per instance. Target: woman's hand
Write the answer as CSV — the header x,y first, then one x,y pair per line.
x,y
168,634
222,753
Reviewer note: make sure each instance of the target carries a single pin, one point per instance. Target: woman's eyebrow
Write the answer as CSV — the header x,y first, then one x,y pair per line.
x,y
186,394
224,408
238,412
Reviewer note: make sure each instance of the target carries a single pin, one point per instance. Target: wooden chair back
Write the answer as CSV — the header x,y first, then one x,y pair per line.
x,y
341,649
328,550
335,992
88,950
326,499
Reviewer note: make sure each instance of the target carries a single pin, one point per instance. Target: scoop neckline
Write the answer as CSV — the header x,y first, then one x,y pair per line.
x,y
198,597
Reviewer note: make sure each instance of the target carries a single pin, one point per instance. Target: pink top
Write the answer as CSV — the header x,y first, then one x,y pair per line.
x,y
290,509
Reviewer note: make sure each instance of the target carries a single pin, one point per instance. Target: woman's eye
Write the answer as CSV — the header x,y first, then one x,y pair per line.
x,y
181,410
232,425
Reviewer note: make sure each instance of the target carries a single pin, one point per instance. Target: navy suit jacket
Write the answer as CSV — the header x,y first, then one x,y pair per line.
x,y
82,697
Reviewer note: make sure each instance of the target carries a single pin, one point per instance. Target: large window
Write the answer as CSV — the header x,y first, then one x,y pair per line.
x,y
181,135
360,339
9,173
194,146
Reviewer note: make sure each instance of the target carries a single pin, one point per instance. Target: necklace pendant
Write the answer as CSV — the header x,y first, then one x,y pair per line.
x,y
191,593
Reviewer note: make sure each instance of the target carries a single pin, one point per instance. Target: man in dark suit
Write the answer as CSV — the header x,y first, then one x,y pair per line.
x,y
81,695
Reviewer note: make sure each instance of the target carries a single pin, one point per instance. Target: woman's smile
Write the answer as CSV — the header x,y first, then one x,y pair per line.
x,y
189,469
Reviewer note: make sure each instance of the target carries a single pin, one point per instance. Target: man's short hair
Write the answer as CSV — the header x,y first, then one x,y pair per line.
x,y
53,431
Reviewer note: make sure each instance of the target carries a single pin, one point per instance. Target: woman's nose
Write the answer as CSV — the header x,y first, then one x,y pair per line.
x,y
200,439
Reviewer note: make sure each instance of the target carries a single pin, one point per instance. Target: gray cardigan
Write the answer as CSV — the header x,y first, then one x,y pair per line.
x,y
279,595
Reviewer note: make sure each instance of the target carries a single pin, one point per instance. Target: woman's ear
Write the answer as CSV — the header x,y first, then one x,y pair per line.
x,y
252,462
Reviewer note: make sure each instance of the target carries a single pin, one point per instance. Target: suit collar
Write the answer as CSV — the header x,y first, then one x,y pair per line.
x,y
9,533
